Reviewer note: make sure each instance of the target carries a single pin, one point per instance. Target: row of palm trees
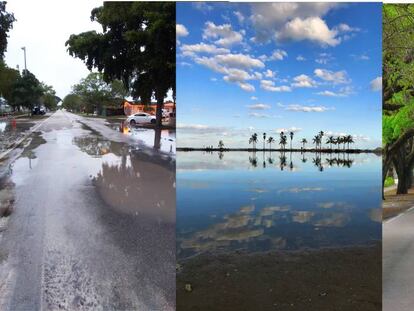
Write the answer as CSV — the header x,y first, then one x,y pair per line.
x,y
345,140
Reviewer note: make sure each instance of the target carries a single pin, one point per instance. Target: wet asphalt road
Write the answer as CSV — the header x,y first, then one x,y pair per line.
x,y
398,263
92,224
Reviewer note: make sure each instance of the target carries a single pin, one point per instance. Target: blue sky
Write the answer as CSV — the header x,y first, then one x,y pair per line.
x,y
263,67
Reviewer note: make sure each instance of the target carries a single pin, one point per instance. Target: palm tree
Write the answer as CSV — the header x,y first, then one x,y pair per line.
x,y
264,141
349,140
221,144
291,134
304,142
283,140
330,140
321,133
270,140
253,140
254,136
344,141
316,140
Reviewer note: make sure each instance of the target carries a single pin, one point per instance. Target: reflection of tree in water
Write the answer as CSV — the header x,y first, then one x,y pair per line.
x,y
282,161
304,160
97,146
138,186
221,155
253,160
318,162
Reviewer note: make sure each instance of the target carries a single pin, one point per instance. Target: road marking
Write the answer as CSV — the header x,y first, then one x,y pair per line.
x,y
398,216
25,136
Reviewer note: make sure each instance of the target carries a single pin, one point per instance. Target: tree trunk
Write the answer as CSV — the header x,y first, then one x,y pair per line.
x,y
160,105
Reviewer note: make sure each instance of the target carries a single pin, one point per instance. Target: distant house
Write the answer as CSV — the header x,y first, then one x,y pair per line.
x,y
131,107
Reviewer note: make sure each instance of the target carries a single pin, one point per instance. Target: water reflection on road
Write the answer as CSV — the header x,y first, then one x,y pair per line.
x,y
129,181
160,139
259,202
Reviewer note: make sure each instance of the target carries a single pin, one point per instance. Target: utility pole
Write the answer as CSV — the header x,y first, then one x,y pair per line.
x,y
24,50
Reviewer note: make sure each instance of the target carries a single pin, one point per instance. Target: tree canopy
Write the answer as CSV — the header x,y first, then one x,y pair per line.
x,y
6,23
398,92
95,93
136,46
26,91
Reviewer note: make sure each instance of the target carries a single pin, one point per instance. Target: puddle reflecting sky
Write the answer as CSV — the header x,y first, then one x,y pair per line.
x,y
256,202
164,140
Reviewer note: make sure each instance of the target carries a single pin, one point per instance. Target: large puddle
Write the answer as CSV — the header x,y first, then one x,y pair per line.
x,y
262,202
163,140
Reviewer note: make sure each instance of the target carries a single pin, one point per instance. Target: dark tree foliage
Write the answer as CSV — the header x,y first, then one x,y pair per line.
x,y
27,91
6,23
136,46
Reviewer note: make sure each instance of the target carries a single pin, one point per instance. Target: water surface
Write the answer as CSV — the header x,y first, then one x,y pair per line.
x,y
258,202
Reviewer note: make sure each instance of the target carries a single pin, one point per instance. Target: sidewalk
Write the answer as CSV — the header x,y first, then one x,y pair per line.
x,y
395,204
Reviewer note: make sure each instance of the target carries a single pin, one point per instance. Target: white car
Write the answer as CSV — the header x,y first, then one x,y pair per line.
x,y
141,118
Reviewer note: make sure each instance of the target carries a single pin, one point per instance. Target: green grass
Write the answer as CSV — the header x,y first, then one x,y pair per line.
x,y
389,181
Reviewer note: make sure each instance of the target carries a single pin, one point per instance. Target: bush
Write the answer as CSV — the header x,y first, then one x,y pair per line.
x,y
389,181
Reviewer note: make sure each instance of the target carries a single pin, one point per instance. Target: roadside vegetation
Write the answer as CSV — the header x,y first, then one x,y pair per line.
x,y
398,94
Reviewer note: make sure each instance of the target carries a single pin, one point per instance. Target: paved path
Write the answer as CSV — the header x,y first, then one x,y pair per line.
x,y
93,223
398,263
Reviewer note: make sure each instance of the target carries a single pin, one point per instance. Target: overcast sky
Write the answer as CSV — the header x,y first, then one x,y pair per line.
x,y
43,27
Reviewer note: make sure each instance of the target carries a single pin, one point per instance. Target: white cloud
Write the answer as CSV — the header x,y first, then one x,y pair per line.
x,y
269,74
300,58
239,61
312,28
201,128
224,33
376,84
253,98
240,16
192,49
259,107
324,58
293,129
258,115
181,31
270,17
278,55
346,28
270,86
303,81
202,6
246,86
342,92
303,108
338,77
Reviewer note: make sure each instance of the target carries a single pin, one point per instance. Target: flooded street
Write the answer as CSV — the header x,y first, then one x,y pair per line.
x,y
92,221
270,222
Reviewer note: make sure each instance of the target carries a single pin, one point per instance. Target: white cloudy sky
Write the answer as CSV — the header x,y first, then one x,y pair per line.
x,y
43,26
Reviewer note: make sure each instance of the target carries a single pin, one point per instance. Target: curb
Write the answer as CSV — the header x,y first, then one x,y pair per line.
x,y
399,215
15,144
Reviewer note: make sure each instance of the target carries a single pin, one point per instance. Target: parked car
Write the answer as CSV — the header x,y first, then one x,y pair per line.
x,y
38,111
141,118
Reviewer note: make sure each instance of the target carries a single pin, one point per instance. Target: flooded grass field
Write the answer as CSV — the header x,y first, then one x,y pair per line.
x,y
253,218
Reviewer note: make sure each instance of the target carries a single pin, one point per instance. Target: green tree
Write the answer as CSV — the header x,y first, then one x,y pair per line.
x,y
291,134
304,141
8,77
221,144
6,23
72,102
96,94
49,98
137,46
270,140
26,91
330,141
